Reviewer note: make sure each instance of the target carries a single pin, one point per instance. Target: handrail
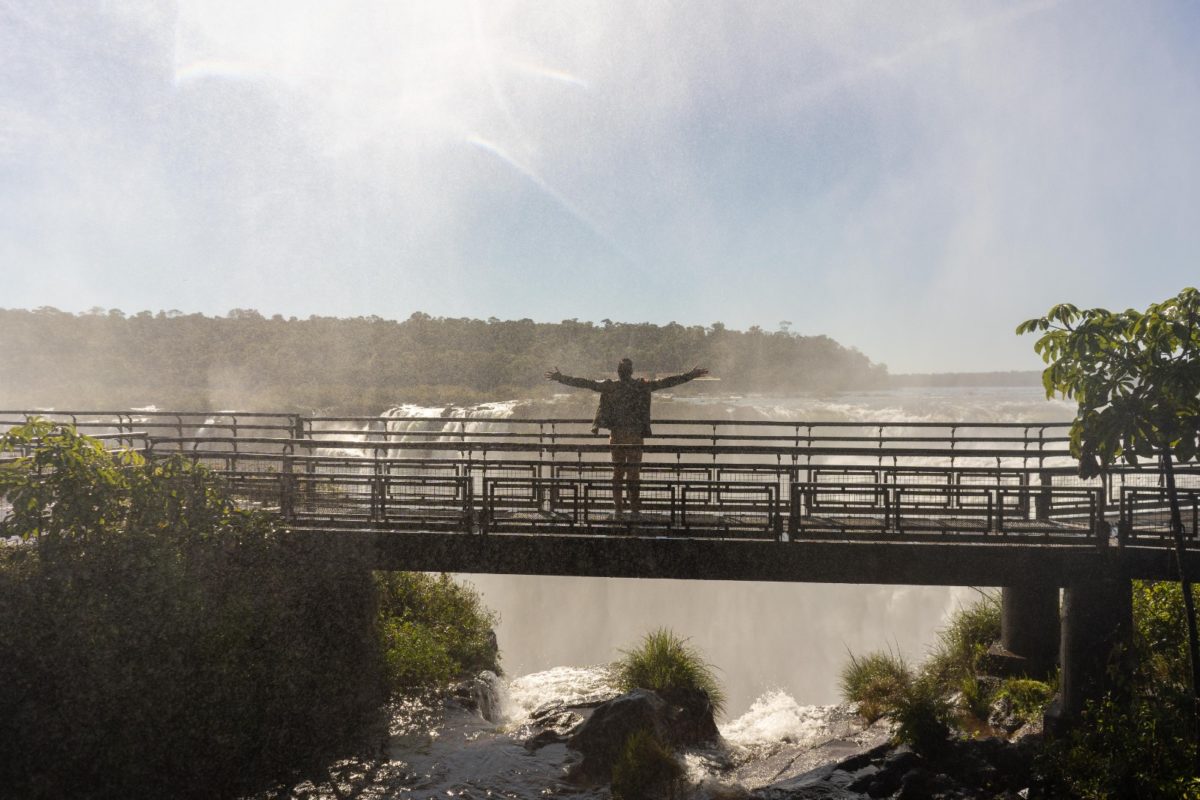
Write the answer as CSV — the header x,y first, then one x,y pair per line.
x,y
649,447
523,421
700,421
731,436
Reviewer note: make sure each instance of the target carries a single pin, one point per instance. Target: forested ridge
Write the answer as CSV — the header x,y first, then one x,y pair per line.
x,y
366,364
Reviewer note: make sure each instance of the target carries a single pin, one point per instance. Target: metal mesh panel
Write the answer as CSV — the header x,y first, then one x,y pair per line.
x,y
432,503
966,512
1146,516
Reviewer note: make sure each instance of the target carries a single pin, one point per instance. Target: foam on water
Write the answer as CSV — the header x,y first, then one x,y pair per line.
x,y
776,717
556,686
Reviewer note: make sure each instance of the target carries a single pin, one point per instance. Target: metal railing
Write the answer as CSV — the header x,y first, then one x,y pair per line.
x,y
969,513
994,482
238,428
1146,516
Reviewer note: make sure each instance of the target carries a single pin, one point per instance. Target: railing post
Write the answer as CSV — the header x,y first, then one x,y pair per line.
x,y
1099,522
287,490
1125,520
310,497
463,471
378,490
996,510
1042,503
485,494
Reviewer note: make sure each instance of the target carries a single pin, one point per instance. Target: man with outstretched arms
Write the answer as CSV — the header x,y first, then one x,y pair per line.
x,y
625,411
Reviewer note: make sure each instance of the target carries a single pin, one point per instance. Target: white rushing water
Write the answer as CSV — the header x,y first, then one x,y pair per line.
x,y
777,647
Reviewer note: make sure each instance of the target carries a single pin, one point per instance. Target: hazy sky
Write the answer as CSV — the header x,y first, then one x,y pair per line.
x,y
912,179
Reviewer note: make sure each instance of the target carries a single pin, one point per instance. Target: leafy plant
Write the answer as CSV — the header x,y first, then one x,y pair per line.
x,y
1136,378
433,629
977,696
876,682
645,770
663,662
1137,741
1028,698
1138,747
156,642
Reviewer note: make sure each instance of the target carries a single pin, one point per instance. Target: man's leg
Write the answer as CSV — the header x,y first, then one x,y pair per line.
x,y
618,485
635,489
625,460
634,471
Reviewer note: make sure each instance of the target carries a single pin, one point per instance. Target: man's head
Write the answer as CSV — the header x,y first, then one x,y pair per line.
x,y
625,369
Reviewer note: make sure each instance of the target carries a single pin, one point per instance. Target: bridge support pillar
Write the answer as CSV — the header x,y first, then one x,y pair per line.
x,y
1029,628
1097,629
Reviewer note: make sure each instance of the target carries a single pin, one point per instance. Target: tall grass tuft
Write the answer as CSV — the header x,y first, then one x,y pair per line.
x,y
664,661
876,682
963,643
923,716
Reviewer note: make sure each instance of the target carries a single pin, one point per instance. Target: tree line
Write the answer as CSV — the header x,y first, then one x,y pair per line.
x,y
365,364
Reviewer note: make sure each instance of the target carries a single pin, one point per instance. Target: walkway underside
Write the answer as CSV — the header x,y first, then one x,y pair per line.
x,y
634,556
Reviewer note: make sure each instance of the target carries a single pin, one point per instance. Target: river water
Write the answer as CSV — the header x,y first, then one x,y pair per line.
x,y
777,648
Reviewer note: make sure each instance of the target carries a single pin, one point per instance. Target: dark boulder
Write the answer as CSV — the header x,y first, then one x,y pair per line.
x,y
480,694
690,717
602,737
553,729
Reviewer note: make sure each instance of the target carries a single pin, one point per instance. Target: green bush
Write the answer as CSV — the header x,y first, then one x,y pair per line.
x,y
663,662
1160,631
1028,697
922,716
433,630
962,644
645,770
1140,741
875,682
977,696
1139,747
156,642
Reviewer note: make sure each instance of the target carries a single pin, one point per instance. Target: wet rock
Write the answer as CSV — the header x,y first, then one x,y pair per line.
x,y
690,719
548,710
821,791
554,729
863,778
601,738
543,738
679,718
824,783
921,783
480,694
970,769
1004,716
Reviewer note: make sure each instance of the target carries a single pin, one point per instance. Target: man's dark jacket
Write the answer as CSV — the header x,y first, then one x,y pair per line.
x,y
625,404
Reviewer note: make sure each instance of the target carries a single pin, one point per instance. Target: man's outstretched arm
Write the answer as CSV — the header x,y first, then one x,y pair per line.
x,y
578,383
675,380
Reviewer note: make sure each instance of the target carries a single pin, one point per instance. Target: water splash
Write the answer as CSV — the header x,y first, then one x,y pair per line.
x,y
776,718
